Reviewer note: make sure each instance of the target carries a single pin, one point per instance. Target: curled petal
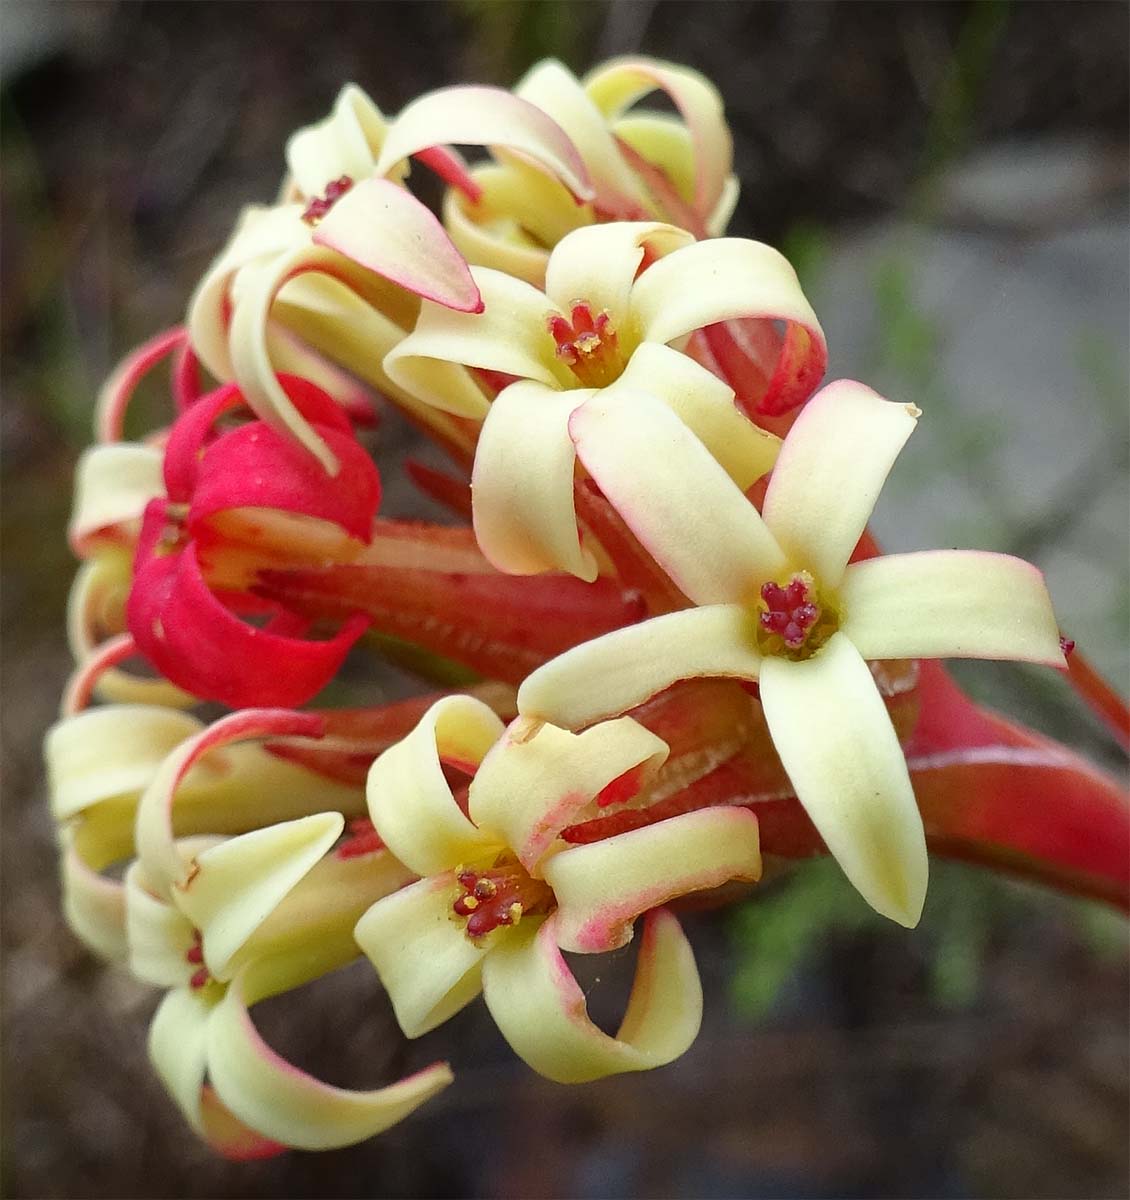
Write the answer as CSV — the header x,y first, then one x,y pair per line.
x,y
189,435
178,1047
115,394
192,639
93,905
617,84
164,864
478,116
286,1103
836,741
603,887
675,497
950,604
529,788
540,1008
105,753
718,280
346,142
234,886
510,336
706,406
420,949
556,91
385,229
410,801
829,474
113,484
597,264
522,484
614,673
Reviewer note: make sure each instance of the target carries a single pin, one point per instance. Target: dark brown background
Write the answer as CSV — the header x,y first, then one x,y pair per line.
x,y
985,1054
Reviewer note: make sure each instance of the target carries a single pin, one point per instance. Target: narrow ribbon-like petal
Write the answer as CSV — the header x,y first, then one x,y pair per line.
x,y
410,801
603,887
386,229
717,280
706,406
829,474
675,497
950,604
614,673
477,116
836,741
420,949
522,484
529,788
94,906
540,1008
113,484
178,1038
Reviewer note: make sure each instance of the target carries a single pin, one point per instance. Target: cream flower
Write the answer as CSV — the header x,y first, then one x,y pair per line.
x,y
499,897
599,321
642,164
779,604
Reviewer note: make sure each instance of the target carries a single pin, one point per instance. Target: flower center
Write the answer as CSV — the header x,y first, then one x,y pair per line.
x,y
792,621
194,956
587,344
501,895
320,205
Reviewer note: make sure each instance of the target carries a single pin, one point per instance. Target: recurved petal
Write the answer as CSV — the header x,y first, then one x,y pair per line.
x,y
717,280
598,263
706,406
113,484
675,497
420,949
613,673
529,788
602,887
950,604
234,886
510,336
522,484
485,116
829,474
159,935
384,228
93,905
540,1008
178,1046
835,739
346,142
410,801
286,1103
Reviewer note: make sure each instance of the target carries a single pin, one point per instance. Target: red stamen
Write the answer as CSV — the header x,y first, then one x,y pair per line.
x,y
587,343
1066,644
320,205
499,896
790,611
199,978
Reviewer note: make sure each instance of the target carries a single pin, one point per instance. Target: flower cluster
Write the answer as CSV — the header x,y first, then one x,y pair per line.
x,y
686,648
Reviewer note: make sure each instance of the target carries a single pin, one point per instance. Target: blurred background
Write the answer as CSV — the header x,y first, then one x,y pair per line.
x,y
951,181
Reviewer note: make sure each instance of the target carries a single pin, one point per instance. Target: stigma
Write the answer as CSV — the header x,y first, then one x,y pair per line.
x,y
587,344
501,895
320,205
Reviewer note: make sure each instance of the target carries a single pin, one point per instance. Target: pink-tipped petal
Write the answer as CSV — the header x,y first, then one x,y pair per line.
x,y
612,674
485,116
113,484
601,888
541,1011
675,497
529,788
950,604
346,142
829,474
115,394
385,229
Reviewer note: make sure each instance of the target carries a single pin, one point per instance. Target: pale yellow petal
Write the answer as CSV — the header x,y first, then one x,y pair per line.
x,y
346,142
93,905
529,788
410,801
835,738
613,673
602,887
522,483
113,484
178,1037
541,1010
829,474
675,497
706,406
950,604
420,950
